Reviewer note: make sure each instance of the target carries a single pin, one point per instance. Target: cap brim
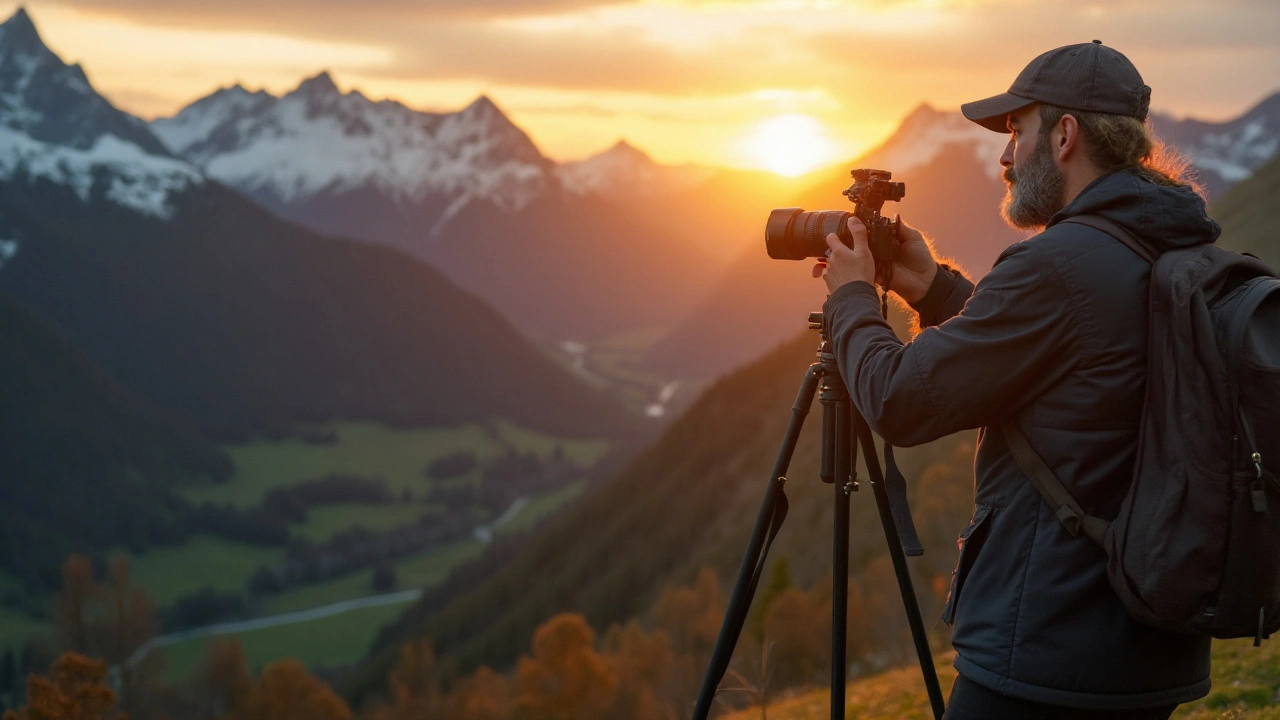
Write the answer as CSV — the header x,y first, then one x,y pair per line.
x,y
993,112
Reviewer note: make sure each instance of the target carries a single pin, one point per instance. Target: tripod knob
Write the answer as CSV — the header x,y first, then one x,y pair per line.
x,y
815,321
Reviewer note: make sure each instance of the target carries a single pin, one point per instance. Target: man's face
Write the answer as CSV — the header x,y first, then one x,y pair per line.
x,y
1035,185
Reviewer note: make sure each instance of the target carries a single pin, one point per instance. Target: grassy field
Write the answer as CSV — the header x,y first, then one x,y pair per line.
x,y
319,642
325,520
16,627
418,571
1246,686
372,450
170,572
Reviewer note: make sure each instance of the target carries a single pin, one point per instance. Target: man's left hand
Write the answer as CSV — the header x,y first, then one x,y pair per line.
x,y
847,264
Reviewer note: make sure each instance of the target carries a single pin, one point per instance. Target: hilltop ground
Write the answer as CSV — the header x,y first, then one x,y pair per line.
x,y
1246,686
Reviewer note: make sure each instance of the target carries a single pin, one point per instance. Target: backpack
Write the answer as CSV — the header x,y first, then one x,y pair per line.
x,y
1196,546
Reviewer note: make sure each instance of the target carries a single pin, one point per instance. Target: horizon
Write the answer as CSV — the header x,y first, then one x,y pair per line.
x,y
572,113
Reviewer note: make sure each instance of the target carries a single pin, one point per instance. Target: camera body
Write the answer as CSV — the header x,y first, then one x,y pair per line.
x,y
794,234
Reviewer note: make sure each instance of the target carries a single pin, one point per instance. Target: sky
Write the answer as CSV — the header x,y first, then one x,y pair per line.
x,y
776,84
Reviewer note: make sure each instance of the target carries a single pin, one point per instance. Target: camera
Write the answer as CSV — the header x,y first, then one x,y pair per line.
x,y
794,234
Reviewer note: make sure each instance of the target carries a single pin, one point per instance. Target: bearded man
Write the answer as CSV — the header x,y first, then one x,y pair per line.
x,y
1054,336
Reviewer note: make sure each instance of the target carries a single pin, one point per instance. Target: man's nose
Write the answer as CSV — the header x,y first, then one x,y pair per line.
x,y
1006,159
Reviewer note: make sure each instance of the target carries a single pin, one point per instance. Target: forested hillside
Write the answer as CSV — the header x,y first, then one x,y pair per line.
x,y
1250,214
86,463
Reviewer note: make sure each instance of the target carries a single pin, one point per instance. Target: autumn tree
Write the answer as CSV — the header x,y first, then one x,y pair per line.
x,y
779,579
127,618
221,682
566,679
415,685
798,628
286,691
483,695
76,689
691,618
642,662
72,604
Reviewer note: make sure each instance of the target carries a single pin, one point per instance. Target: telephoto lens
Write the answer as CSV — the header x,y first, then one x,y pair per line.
x,y
793,234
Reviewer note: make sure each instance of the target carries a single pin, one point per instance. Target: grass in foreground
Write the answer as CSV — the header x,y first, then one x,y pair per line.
x,y
1246,686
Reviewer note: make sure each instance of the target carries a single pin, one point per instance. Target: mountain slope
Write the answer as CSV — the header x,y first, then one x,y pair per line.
x,y
1227,152
467,191
213,307
686,502
84,463
1250,214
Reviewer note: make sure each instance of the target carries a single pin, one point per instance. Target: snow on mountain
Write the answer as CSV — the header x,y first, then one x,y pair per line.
x,y
926,133
317,139
55,127
624,169
1226,153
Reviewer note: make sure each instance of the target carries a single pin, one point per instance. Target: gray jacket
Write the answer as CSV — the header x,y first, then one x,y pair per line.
x,y
1056,334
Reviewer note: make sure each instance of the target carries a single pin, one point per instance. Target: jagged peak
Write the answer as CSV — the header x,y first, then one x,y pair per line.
x,y
319,84
624,149
20,31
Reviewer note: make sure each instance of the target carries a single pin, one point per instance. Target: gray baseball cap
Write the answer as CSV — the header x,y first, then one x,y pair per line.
x,y
1089,76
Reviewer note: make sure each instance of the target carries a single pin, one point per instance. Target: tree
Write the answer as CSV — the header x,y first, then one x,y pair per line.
x,y
483,695
779,580
8,676
128,619
286,691
798,627
642,662
222,682
384,576
76,690
565,679
415,685
691,618
71,605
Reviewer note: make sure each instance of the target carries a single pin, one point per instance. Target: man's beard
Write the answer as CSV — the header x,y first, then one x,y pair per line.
x,y
1035,192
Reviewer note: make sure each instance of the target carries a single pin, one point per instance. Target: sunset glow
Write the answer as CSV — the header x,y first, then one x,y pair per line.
x,y
688,81
791,144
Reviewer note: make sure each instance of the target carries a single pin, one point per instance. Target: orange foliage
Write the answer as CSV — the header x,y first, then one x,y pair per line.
x,y
415,685
223,682
485,695
798,627
71,604
565,679
643,663
77,690
286,691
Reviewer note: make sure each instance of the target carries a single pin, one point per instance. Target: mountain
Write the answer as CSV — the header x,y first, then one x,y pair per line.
x,y
1225,153
209,305
954,189
686,502
85,464
1250,214
467,191
625,171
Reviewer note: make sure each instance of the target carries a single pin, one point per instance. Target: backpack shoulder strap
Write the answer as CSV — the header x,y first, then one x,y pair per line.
x,y
1141,248
1064,506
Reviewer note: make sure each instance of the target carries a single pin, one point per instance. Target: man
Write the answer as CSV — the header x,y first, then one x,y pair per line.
x,y
1055,335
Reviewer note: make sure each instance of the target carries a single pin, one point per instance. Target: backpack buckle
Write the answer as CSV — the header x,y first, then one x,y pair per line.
x,y
1257,463
1070,519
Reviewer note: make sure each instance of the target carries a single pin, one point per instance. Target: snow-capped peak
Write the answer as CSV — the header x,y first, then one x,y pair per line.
x,y
54,126
317,140
624,168
926,132
1226,152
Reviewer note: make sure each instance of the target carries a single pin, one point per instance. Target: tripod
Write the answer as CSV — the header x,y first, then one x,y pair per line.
x,y
840,423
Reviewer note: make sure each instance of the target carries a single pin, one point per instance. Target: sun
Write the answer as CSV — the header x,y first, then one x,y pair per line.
x,y
790,144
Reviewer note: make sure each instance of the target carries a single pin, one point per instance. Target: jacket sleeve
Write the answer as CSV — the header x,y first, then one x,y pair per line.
x,y
1015,338
945,298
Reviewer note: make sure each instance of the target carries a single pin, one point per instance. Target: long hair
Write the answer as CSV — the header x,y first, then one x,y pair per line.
x,y
1120,142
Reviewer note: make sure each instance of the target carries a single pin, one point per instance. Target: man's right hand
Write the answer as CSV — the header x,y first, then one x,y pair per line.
x,y
915,268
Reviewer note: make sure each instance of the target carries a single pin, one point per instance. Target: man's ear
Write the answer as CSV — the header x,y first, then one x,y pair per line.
x,y
1066,136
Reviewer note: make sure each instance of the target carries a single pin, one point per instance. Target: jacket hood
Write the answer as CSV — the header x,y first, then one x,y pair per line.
x,y
1169,217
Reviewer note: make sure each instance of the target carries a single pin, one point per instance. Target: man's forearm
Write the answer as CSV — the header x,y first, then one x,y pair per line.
x,y
945,298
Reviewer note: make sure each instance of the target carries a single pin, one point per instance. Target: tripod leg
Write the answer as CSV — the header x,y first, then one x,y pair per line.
x,y
842,441
772,509
900,569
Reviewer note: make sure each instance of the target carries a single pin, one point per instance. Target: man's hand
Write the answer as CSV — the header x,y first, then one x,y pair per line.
x,y
913,270
847,264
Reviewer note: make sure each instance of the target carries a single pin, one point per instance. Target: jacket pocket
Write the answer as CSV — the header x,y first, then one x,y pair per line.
x,y
971,541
